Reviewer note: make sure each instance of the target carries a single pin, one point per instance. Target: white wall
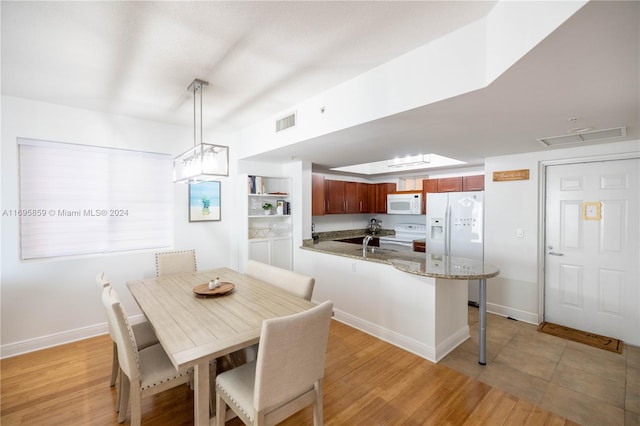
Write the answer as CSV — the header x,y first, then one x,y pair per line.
x,y
511,205
53,301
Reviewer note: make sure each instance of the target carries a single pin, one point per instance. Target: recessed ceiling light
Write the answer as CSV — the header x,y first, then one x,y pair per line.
x,y
416,162
409,160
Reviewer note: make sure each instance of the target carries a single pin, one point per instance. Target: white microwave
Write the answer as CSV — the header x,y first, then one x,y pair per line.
x,y
410,203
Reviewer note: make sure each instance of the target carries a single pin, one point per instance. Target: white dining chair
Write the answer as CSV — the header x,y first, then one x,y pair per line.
x,y
289,281
144,337
287,375
145,372
293,282
173,262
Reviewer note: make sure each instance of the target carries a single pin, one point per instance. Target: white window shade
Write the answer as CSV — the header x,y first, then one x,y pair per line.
x,y
79,199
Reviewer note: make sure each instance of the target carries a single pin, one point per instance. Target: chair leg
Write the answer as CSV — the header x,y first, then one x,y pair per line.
x,y
136,406
317,405
115,365
125,387
119,391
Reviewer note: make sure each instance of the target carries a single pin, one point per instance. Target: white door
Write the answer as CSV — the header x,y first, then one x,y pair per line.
x,y
592,273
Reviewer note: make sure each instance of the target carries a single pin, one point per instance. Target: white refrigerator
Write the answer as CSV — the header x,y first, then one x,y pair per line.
x,y
455,222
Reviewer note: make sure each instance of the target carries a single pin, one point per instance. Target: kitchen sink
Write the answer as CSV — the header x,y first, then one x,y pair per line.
x,y
375,242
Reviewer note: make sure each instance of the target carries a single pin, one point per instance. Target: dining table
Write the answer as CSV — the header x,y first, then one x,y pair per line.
x,y
195,329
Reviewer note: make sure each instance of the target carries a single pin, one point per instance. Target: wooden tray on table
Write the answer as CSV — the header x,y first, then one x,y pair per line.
x,y
202,290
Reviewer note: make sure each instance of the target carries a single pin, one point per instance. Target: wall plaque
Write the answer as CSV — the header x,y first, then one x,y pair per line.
x,y
511,175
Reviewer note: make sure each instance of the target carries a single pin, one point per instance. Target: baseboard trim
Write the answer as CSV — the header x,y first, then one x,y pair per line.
x,y
421,349
528,317
452,342
38,343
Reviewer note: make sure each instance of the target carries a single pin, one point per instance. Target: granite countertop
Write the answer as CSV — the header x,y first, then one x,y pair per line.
x,y
426,264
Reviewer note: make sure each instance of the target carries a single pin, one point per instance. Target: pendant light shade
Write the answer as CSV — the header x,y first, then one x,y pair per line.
x,y
204,161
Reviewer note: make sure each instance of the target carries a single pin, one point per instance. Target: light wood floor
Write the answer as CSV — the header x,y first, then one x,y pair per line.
x,y
367,382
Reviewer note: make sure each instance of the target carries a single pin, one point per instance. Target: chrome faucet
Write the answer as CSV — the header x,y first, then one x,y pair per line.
x,y
365,241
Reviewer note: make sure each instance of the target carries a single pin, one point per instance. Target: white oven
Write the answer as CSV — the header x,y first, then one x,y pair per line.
x,y
405,234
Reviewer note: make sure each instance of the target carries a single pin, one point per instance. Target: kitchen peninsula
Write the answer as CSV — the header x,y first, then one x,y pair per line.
x,y
417,301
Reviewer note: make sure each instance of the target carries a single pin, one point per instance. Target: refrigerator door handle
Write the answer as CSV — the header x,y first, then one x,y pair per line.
x,y
447,230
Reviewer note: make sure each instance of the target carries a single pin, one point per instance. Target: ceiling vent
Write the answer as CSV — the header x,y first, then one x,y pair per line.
x,y
590,136
286,122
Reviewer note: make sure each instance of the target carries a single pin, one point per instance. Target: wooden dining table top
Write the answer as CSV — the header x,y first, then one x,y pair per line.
x,y
192,328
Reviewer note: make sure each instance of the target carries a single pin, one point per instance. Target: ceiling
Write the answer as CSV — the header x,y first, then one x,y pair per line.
x,y
137,59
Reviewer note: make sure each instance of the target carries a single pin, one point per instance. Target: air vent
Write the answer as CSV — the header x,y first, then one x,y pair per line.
x,y
286,122
594,135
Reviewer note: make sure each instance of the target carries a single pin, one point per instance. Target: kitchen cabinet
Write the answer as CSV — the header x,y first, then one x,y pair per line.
x,y
272,251
334,197
269,235
341,197
453,184
473,183
382,189
428,185
317,195
345,197
420,246
351,202
356,196
363,197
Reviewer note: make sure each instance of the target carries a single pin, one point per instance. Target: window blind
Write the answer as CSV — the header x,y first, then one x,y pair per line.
x,y
80,199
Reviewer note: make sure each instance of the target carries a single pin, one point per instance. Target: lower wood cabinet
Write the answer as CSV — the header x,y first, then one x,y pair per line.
x,y
420,246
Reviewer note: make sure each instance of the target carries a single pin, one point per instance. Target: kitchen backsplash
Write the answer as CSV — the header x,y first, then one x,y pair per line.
x,y
344,222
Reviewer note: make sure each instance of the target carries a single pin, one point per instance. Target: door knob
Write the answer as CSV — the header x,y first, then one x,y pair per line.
x,y
553,253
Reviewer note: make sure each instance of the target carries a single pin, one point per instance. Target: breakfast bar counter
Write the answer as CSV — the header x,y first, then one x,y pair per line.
x,y
444,281
426,264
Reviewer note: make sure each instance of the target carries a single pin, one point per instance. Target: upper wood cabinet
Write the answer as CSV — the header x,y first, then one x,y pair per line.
x,y
363,197
453,184
334,196
351,202
373,197
317,195
346,197
343,197
473,183
382,189
428,185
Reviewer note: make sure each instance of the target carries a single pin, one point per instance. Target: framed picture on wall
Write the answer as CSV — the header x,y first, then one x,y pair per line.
x,y
204,201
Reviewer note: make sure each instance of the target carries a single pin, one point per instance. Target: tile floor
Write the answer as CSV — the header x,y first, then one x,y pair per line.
x,y
587,385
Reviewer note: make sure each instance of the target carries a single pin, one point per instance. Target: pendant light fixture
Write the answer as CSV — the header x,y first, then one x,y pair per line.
x,y
205,161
